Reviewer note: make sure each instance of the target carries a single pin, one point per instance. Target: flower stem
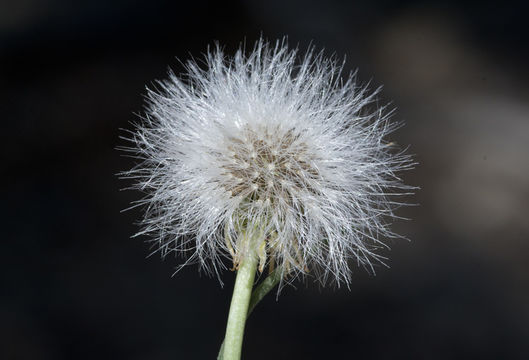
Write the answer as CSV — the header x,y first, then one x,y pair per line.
x,y
239,308
257,295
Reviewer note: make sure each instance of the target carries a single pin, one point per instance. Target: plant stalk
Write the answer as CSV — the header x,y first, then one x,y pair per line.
x,y
257,295
240,300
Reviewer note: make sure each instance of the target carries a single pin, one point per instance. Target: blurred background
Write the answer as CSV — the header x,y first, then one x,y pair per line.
x,y
75,286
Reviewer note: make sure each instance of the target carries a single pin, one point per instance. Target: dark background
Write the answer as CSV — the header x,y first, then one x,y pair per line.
x,y
75,286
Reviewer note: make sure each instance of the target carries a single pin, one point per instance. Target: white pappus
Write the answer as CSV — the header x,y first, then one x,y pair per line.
x,y
278,147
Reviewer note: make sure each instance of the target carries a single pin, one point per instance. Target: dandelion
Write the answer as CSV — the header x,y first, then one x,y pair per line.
x,y
271,160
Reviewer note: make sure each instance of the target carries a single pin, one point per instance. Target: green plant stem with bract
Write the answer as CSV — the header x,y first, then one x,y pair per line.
x,y
257,295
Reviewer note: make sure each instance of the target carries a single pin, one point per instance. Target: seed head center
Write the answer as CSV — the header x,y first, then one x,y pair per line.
x,y
268,164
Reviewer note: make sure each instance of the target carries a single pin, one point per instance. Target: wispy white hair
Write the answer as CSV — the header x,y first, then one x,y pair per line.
x,y
274,145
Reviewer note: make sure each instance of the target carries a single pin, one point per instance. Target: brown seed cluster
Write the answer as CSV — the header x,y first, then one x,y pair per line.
x,y
265,164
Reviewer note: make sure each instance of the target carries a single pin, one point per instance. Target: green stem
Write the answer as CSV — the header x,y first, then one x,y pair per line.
x,y
257,295
239,308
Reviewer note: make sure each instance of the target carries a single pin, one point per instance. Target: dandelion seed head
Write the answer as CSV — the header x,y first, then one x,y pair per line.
x,y
281,147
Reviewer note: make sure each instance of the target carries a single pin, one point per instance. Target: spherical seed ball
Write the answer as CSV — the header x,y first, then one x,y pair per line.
x,y
271,145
